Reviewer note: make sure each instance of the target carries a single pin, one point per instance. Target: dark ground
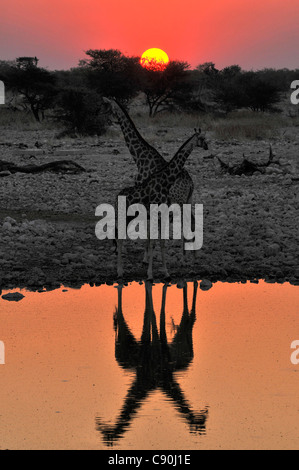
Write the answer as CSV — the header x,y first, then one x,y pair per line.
x,y
47,222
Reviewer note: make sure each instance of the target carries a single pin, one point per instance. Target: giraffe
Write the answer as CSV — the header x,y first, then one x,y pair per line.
x,y
148,160
154,361
159,189
146,157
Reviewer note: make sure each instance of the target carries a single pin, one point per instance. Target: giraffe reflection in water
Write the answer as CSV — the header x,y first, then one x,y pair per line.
x,y
154,361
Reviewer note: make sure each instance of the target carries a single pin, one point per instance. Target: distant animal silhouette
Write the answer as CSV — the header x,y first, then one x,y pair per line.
x,y
154,362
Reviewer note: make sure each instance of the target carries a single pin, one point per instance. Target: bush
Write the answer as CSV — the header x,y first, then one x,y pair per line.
x,y
247,125
81,111
246,90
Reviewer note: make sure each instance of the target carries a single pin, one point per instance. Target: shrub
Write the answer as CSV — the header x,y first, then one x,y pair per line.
x,y
81,111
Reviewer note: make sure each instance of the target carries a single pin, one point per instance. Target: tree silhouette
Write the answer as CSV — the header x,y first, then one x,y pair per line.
x,y
112,74
162,87
35,85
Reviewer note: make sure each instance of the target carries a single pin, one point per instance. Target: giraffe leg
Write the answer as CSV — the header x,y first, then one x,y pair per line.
x,y
183,240
147,320
195,289
192,223
145,258
185,296
164,265
120,270
163,335
150,260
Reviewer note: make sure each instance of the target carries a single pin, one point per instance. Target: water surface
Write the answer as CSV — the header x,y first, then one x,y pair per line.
x,y
96,369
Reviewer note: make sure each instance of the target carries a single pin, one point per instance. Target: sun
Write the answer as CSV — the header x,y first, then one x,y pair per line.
x,y
154,59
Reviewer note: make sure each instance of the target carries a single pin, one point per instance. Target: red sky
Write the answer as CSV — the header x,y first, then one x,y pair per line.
x,y
251,33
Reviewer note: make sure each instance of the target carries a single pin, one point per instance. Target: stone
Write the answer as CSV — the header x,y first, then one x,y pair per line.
x,y
206,285
272,250
13,297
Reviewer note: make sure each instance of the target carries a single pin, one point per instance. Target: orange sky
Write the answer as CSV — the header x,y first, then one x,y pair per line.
x,y
252,33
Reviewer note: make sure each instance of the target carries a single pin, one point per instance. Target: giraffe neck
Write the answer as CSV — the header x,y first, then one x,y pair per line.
x,y
140,150
131,134
177,163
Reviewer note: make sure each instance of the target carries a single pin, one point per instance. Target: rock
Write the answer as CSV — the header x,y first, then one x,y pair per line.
x,y
272,250
10,220
206,285
6,226
13,297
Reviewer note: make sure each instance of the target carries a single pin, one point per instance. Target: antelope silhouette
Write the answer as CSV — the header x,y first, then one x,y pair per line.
x,y
154,361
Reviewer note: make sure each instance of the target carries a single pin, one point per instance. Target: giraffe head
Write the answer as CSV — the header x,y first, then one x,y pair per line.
x,y
109,105
201,139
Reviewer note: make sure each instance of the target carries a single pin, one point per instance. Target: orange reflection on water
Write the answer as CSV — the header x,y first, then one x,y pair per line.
x,y
61,376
